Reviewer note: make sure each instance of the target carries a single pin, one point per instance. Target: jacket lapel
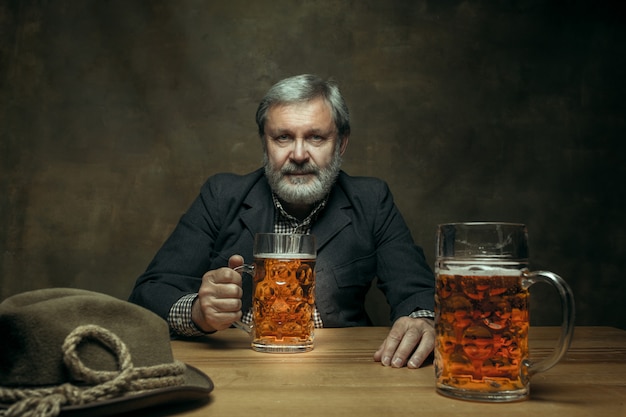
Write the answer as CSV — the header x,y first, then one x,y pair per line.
x,y
259,214
333,218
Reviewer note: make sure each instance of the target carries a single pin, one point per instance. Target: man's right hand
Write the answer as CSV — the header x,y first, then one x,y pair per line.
x,y
218,303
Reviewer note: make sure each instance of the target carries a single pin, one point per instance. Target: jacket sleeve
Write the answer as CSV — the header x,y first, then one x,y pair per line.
x,y
212,230
403,274
178,266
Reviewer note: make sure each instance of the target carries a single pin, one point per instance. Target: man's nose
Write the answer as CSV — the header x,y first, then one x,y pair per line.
x,y
300,151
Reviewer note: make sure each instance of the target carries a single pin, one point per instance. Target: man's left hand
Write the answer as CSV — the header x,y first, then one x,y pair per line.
x,y
409,343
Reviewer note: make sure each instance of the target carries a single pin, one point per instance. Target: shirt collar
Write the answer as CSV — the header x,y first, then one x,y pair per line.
x,y
297,225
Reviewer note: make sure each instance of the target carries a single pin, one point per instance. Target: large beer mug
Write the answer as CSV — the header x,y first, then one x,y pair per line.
x,y
283,292
482,312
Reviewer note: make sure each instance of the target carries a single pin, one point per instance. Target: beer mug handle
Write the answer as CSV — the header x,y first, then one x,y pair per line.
x,y
248,269
567,325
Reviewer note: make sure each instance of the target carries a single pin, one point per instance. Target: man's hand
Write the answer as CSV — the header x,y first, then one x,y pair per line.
x,y
409,343
218,303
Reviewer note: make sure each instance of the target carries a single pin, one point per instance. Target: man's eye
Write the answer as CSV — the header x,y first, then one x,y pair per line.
x,y
282,138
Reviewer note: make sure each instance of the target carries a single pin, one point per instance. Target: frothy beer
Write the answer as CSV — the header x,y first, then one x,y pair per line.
x,y
283,301
482,324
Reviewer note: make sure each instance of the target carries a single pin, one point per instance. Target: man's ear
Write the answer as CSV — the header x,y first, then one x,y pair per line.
x,y
344,144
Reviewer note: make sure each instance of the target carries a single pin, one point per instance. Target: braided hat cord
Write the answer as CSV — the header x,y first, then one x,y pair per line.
x,y
47,402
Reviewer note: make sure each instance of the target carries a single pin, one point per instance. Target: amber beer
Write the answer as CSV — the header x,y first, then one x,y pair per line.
x,y
482,331
481,312
283,302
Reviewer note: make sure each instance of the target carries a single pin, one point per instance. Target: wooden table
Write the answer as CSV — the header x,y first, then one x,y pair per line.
x,y
340,378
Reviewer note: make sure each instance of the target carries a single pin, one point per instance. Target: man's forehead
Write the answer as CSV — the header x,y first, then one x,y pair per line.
x,y
313,114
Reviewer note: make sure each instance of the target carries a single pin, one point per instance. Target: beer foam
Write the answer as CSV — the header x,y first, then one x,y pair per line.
x,y
479,271
285,256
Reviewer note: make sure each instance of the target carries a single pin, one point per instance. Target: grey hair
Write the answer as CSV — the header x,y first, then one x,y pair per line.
x,y
302,88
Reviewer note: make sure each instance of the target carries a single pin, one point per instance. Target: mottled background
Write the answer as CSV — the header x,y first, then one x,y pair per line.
x,y
113,113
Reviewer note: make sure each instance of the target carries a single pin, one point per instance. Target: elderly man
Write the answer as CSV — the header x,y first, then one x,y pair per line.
x,y
304,126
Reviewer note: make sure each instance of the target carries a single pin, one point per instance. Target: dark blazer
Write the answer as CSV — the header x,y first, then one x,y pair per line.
x,y
360,235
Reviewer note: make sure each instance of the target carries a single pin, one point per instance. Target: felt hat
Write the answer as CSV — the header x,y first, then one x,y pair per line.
x,y
82,353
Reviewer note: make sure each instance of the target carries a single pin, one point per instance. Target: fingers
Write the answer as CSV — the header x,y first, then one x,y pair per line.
x,y
218,303
409,343
424,349
210,317
235,261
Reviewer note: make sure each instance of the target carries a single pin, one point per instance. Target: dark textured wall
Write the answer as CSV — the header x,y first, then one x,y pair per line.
x,y
113,113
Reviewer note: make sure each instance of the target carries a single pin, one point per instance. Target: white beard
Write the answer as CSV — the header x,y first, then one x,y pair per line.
x,y
295,190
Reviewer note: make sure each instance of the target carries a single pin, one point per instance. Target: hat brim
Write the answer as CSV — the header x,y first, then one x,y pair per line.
x,y
197,386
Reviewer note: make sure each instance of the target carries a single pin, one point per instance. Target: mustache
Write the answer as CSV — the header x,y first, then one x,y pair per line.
x,y
307,168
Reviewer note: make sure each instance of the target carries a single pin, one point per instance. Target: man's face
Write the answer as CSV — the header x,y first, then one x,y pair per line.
x,y
303,151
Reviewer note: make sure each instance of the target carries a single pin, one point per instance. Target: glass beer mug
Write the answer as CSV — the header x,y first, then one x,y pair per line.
x,y
482,312
283,293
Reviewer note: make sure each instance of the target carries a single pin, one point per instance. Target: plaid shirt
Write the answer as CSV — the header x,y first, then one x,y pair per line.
x,y
179,317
